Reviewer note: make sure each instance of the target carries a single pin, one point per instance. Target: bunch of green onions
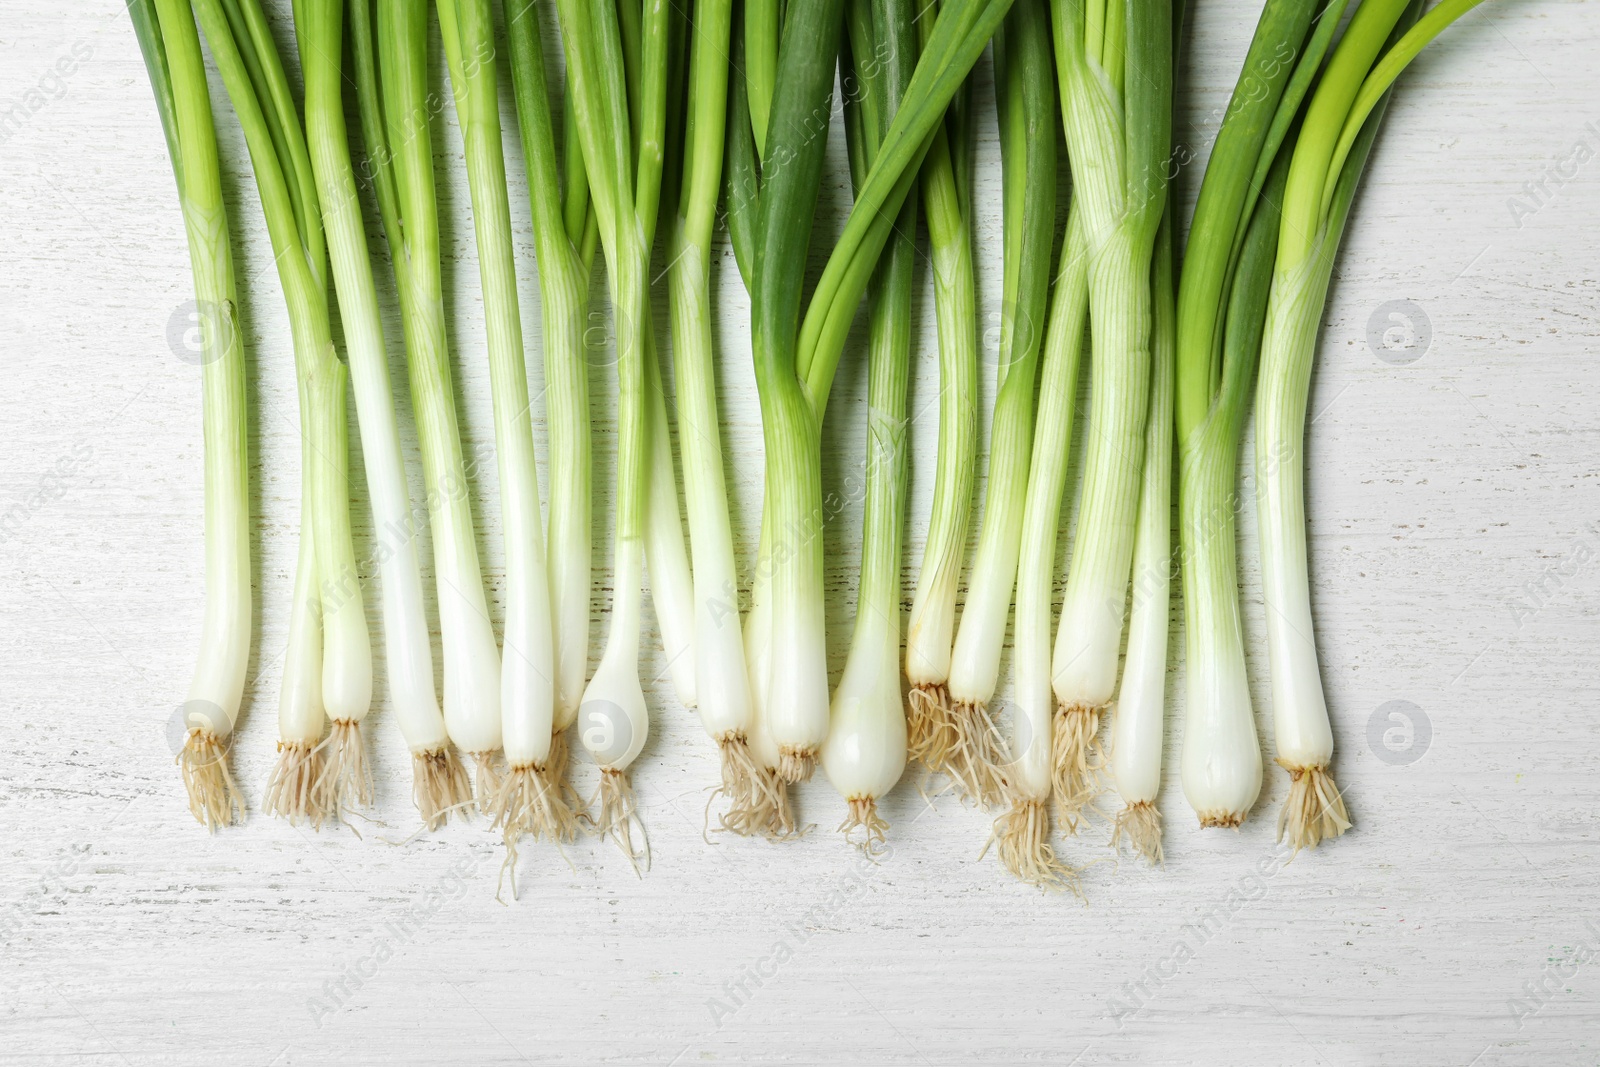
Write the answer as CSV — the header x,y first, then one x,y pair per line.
x,y
1273,205
735,101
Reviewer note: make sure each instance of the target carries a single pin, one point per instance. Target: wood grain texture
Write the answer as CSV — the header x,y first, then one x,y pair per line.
x,y
1455,925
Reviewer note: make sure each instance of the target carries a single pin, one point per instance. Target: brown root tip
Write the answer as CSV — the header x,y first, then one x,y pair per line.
x,y
214,799
756,798
1138,824
1077,759
439,785
864,816
1314,809
556,768
530,803
928,730
485,781
618,817
346,780
976,755
781,824
796,764
294,791
1022,838
1221,820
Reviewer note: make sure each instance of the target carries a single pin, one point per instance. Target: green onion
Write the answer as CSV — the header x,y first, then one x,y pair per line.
x,y
613,718
930,630
171,49
722,680
1221,307
1026,106
408,647
865,751
391,75
1139,722
1329,155
563,287
666,556
1115,67
1022,834
241,44
526,800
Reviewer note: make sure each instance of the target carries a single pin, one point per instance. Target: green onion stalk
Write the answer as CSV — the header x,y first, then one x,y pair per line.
x,y
408,646
666,554
522,799
1026,107
755,798
770,214
242,46
171,49
865,751
1222,302
930,628
742,162
613,718
390,68
1382,37
1022,833
564,270
1138,721
1115,68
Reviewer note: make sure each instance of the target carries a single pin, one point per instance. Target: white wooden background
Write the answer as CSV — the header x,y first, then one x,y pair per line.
x,y
1455,925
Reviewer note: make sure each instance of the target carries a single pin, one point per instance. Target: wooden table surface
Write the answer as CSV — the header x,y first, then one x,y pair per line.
x,y
1454,513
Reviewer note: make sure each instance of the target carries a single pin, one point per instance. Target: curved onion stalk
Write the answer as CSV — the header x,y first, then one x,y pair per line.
x,y
1116,96
1022,834
1139,715
789,664
1329,156
787,644
1221,306
1025,100
613,719
408,648
391,72
865,752
930,630
722,680
171,49
241,44
527,688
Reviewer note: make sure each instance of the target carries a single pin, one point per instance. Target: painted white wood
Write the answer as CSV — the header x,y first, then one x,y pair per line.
x,y
1454,925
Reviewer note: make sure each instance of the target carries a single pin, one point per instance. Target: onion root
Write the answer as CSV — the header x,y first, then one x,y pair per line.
x,y
485,781
1314,809
214,799
1139,824
864,816
295,789
1021,836
346,779
1077,758
928,728
796,764
757,799
618,816
439,785
976,756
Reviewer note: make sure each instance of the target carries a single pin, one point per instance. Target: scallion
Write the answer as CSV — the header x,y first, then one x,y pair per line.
x,y
171,50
